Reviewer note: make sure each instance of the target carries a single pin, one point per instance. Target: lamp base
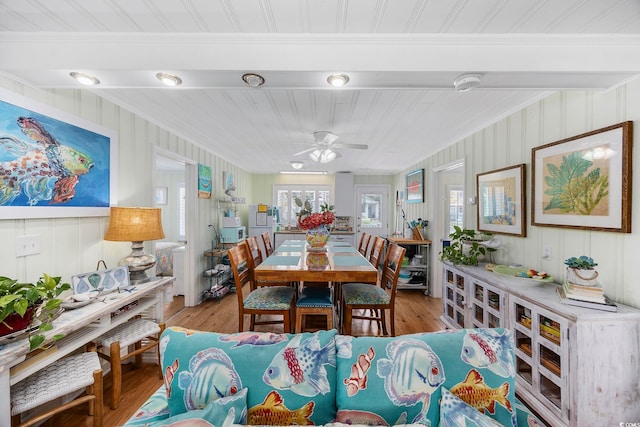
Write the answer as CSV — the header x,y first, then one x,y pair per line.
x,y
138,263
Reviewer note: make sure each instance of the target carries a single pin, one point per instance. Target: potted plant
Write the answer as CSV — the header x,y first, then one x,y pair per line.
x,y
21,304
465,247
581,270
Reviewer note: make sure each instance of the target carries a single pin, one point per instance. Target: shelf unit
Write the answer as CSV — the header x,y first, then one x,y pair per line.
x,y
566,367
219,282
414,247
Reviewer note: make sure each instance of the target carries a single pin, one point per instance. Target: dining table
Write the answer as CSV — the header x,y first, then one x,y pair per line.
x,y
296,261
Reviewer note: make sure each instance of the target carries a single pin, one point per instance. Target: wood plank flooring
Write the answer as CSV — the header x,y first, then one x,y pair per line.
x,y
415,312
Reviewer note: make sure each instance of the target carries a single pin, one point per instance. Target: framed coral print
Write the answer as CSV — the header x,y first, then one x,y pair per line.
x,y
501,201
53,164
584,182
415,186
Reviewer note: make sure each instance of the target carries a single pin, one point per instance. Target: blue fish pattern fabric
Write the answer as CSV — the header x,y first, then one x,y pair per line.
x,y
154,409
456,413
400,380
201,367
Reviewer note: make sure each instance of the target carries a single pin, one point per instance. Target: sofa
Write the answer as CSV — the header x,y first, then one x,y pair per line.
x,y
448,378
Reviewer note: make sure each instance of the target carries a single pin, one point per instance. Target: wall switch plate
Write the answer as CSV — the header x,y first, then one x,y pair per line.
x,y
472,200
27,245
546,252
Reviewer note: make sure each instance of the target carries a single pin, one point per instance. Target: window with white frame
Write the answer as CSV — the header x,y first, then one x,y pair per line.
x,y
182,229
284,197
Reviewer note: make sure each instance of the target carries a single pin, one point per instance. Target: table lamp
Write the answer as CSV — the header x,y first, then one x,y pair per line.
x,y
135,225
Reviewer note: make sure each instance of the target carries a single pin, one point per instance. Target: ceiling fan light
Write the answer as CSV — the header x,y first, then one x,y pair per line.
x,y
169,79
253,80
338,80
296,164
466,82
85,79
328,155
315,155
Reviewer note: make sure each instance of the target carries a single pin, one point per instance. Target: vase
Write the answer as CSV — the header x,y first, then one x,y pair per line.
x,y
317,261
318,237
582,277
14,322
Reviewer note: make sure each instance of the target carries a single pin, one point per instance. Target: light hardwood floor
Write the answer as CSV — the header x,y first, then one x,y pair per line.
x,y
415,312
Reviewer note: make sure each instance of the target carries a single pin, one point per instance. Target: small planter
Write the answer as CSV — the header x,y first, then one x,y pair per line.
x,y
15,323
582,277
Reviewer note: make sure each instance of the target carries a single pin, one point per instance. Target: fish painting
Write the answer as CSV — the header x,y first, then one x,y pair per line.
x,y
359,370
43,169
485,348
254,338
299,367
353,417
411,373
476,393
454,413
211,376
169,373
272,411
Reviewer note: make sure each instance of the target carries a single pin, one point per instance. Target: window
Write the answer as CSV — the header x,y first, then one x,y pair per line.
x,y
182,233
456,207
284,196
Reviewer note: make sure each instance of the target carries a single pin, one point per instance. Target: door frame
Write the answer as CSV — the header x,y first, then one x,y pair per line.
x,y
191,290
386,208
439,212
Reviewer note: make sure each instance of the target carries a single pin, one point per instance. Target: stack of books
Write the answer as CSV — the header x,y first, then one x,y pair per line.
x,y
585,296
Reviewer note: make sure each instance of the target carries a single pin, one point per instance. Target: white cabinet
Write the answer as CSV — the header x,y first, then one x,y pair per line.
x,y
575,366
280,237
346,238
344,194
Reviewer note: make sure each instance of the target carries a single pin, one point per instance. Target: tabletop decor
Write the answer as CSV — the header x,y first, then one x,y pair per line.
x,y
501,201
29,306
465,247
584,182
581,271
315,223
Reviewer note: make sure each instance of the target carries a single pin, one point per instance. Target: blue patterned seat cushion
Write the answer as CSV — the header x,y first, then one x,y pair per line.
x,y
363,293
291,378
398,380
270,298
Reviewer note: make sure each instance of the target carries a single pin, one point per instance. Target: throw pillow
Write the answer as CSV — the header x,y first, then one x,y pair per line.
x,y
154,409
399,380
223,411
456,413
291,377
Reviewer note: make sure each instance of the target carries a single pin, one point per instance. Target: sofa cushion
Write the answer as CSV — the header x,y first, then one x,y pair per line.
x,y
454,412
287,375
154,409
224,411
399,380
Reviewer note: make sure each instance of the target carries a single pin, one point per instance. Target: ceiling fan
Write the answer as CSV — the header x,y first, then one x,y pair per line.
x,y
323,146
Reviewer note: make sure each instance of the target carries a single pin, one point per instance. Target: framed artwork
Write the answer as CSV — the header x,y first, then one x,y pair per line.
x,y
501,201
227,183
161,195
53,164
414,184
204,181
584,182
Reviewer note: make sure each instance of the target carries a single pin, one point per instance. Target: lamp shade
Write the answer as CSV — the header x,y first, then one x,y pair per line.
x,y
134,225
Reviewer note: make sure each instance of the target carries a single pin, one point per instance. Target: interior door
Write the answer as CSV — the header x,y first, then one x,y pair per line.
x,y
372,210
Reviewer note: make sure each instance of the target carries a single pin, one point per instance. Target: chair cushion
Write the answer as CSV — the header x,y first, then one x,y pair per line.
x,y
364,293
270,298
315,297
294,372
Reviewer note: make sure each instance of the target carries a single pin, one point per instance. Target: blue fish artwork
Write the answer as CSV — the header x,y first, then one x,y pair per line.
x,y
485,348
253,338
411,373
454,413
211,376
42,169
299,367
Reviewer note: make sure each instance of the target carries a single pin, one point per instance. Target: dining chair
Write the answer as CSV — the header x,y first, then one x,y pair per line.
x,y
254,250
363,246
317,302
268,300
377,298
377,251
268,244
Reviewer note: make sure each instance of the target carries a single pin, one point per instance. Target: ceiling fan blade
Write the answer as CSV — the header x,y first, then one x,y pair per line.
x,y
308,150
325,137
355,146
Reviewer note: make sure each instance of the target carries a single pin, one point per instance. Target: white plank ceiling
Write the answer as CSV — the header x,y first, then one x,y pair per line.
x,y
402,57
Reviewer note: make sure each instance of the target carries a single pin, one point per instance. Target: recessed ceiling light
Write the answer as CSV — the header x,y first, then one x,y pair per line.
x,y
466,82
338,80
169,79
84,79
253,80
296,164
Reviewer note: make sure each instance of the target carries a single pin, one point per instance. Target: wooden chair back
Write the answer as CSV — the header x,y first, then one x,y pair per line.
x,y
254,250
377,250
364,244
268,244
242,267
391,270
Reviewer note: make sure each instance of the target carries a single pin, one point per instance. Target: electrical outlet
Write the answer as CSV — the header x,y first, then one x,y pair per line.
x,y
546,252
28,245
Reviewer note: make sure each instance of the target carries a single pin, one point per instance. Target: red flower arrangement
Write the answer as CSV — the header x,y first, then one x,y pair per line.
x,y
308,220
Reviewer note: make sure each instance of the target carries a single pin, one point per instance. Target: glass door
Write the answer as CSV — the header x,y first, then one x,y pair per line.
x,y
372,211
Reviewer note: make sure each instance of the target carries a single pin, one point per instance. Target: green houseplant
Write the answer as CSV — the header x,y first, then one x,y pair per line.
x,y
465,247
25,302
581,270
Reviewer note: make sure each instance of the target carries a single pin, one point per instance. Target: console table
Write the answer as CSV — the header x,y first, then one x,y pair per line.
x,y
79,327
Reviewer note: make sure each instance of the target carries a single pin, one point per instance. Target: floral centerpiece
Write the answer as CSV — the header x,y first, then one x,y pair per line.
x,y
316,223
581,271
